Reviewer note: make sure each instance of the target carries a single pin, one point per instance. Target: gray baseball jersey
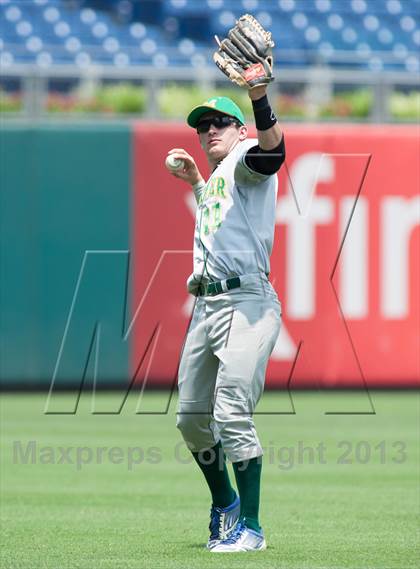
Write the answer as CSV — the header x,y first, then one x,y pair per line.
x,y
231,336
235,219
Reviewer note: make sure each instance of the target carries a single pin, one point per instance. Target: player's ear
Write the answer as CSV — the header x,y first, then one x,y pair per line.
x,y
243,132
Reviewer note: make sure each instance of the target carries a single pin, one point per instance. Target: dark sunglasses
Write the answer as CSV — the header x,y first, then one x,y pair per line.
x,y
221,121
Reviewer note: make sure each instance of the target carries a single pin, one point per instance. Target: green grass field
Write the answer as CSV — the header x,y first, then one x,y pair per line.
x,y
351,502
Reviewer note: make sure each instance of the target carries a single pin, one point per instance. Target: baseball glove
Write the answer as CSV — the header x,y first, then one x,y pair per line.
x,y
245,56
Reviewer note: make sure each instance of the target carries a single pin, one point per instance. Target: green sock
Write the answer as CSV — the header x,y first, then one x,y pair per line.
x,y
248,478
213,465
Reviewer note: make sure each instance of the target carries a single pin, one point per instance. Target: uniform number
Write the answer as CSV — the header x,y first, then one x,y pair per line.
x,y
212,218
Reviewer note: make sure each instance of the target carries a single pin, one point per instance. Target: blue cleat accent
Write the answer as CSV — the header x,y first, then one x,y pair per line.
x,y
241,538
222,522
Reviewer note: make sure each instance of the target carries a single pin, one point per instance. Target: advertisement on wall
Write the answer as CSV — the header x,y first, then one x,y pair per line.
x,y
344,262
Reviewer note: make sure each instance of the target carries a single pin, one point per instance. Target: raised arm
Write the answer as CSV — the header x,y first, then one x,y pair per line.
x,y
268,129
246,57
269,155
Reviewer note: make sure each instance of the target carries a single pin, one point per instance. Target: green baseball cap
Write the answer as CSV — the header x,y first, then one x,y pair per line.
x,y
223,105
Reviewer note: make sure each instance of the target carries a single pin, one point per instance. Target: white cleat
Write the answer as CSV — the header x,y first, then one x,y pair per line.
x,y
241,539
222,522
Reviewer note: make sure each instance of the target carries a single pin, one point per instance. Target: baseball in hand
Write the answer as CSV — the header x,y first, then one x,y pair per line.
x,y
173,163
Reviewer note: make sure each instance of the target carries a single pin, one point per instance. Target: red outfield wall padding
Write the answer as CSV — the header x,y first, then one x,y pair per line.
x,y
345,259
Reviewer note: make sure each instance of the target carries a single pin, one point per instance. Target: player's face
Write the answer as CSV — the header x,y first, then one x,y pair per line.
x,y
218,141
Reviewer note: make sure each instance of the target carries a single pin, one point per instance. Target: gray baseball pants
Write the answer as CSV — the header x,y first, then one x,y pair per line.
x,y
222,370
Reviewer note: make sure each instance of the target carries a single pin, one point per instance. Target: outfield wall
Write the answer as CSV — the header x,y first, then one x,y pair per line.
x,y
96,243
64,190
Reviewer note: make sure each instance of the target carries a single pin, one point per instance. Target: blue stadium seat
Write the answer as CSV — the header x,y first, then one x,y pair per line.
x,y
180,32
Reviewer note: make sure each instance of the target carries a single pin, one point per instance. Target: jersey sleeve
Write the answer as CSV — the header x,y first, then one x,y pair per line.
x,y
244,176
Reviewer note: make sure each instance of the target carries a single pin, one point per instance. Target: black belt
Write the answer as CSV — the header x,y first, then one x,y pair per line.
x,y
217,287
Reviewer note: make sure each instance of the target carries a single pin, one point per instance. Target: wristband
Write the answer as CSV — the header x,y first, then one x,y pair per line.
x,y
263,113
198,186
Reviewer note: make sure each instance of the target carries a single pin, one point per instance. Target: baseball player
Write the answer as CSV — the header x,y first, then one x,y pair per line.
x,y
236,318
